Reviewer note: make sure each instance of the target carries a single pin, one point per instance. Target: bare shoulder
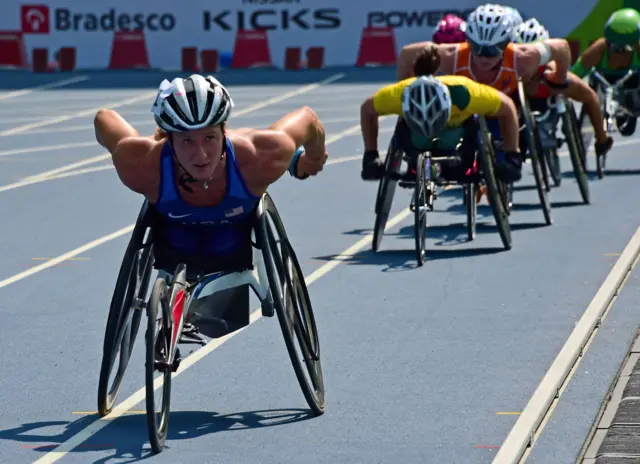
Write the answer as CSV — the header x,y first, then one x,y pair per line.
x,y
262,156
137,162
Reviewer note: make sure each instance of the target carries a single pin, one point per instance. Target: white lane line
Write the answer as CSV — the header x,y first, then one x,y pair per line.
x,y
65,257
88,112
50,85
521,436
21,151
126,405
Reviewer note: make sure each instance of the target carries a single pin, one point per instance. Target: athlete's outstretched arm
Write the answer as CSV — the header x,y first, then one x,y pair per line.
x,y
507,117
111,128
410,52
590,58
531,56
129,151
369,125
272,150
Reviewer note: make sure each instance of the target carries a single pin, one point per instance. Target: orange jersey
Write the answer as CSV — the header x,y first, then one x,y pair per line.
x,y
507,79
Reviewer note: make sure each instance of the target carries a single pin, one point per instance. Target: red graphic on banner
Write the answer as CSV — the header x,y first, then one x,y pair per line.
x,y
35,19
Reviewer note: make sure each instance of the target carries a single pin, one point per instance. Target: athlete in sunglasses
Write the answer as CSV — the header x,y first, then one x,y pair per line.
x,y
489,57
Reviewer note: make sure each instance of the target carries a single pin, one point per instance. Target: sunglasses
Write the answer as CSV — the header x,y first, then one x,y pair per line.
x,y
486,51
619,48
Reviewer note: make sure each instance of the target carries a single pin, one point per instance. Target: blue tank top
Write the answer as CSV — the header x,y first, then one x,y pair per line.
x,y
208,230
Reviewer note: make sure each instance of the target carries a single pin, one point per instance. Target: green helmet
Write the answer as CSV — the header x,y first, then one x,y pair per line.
x,y
623,27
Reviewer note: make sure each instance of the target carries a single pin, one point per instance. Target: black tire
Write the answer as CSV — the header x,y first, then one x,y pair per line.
x,y
495,194
420,202
535,155
553,163
158,341
469,193
125,313
386,191
292,304
576,149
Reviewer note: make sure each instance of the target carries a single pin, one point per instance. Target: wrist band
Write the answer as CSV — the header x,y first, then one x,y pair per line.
x,y
545,52
294,161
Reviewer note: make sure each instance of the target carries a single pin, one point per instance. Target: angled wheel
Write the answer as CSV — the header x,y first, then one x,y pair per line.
x,y
292,304
386,190
420,202
158,347
535,155
497,195
125,313
576,149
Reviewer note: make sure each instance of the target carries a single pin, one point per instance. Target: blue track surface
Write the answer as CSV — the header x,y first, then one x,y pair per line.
x,y
418,362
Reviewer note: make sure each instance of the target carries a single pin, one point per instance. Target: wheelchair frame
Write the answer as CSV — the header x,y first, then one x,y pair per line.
x,y
274,276
560,108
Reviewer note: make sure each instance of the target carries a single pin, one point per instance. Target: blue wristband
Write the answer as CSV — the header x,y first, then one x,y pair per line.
x,y
294,161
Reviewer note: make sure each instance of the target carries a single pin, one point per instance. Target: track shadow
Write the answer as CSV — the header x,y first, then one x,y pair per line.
x,y
622,172
126,439
591,175
133,79
567,204
394,260
523,188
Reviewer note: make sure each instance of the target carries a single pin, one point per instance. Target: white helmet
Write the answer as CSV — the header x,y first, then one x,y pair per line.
x,y
489,24
191,103
426,105
515,15
530,31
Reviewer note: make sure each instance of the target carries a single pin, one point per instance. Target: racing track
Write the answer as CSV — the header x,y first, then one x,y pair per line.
x,y
427,364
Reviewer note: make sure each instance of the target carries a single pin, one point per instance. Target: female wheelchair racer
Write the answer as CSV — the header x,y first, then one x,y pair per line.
x,y
205,195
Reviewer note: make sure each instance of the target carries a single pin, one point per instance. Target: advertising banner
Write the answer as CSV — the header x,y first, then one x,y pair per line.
x,y
169,25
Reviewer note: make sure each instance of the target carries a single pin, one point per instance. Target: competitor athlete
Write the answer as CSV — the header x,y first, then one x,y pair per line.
x,y
450,30
202,177
531,31
489,57
614,55
456,97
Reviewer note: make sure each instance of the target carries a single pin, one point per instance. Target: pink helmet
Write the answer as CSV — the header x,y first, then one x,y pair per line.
x,y
450,30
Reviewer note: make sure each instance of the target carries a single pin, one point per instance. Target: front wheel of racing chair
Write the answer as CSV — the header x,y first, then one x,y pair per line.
x,y
497,191
535,154
125,311
386,189
420,204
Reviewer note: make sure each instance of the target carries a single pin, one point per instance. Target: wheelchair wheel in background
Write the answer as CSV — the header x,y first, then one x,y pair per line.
x,y
576,150
386,190
553,163
292,304
497,195
125,313
535,155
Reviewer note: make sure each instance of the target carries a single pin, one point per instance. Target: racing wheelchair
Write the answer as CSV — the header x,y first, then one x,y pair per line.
x,y
548,113
535,152
620,108
267,264
426,183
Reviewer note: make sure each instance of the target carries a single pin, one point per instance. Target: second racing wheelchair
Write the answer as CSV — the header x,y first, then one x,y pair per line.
x,y
194,299
420,173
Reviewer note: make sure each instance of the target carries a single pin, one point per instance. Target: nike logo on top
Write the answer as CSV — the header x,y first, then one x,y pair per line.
x,y
177,216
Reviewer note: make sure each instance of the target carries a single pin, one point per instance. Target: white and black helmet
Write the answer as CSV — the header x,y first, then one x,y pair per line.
x,y
530,31
516,17
490,24
426,106
191,103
